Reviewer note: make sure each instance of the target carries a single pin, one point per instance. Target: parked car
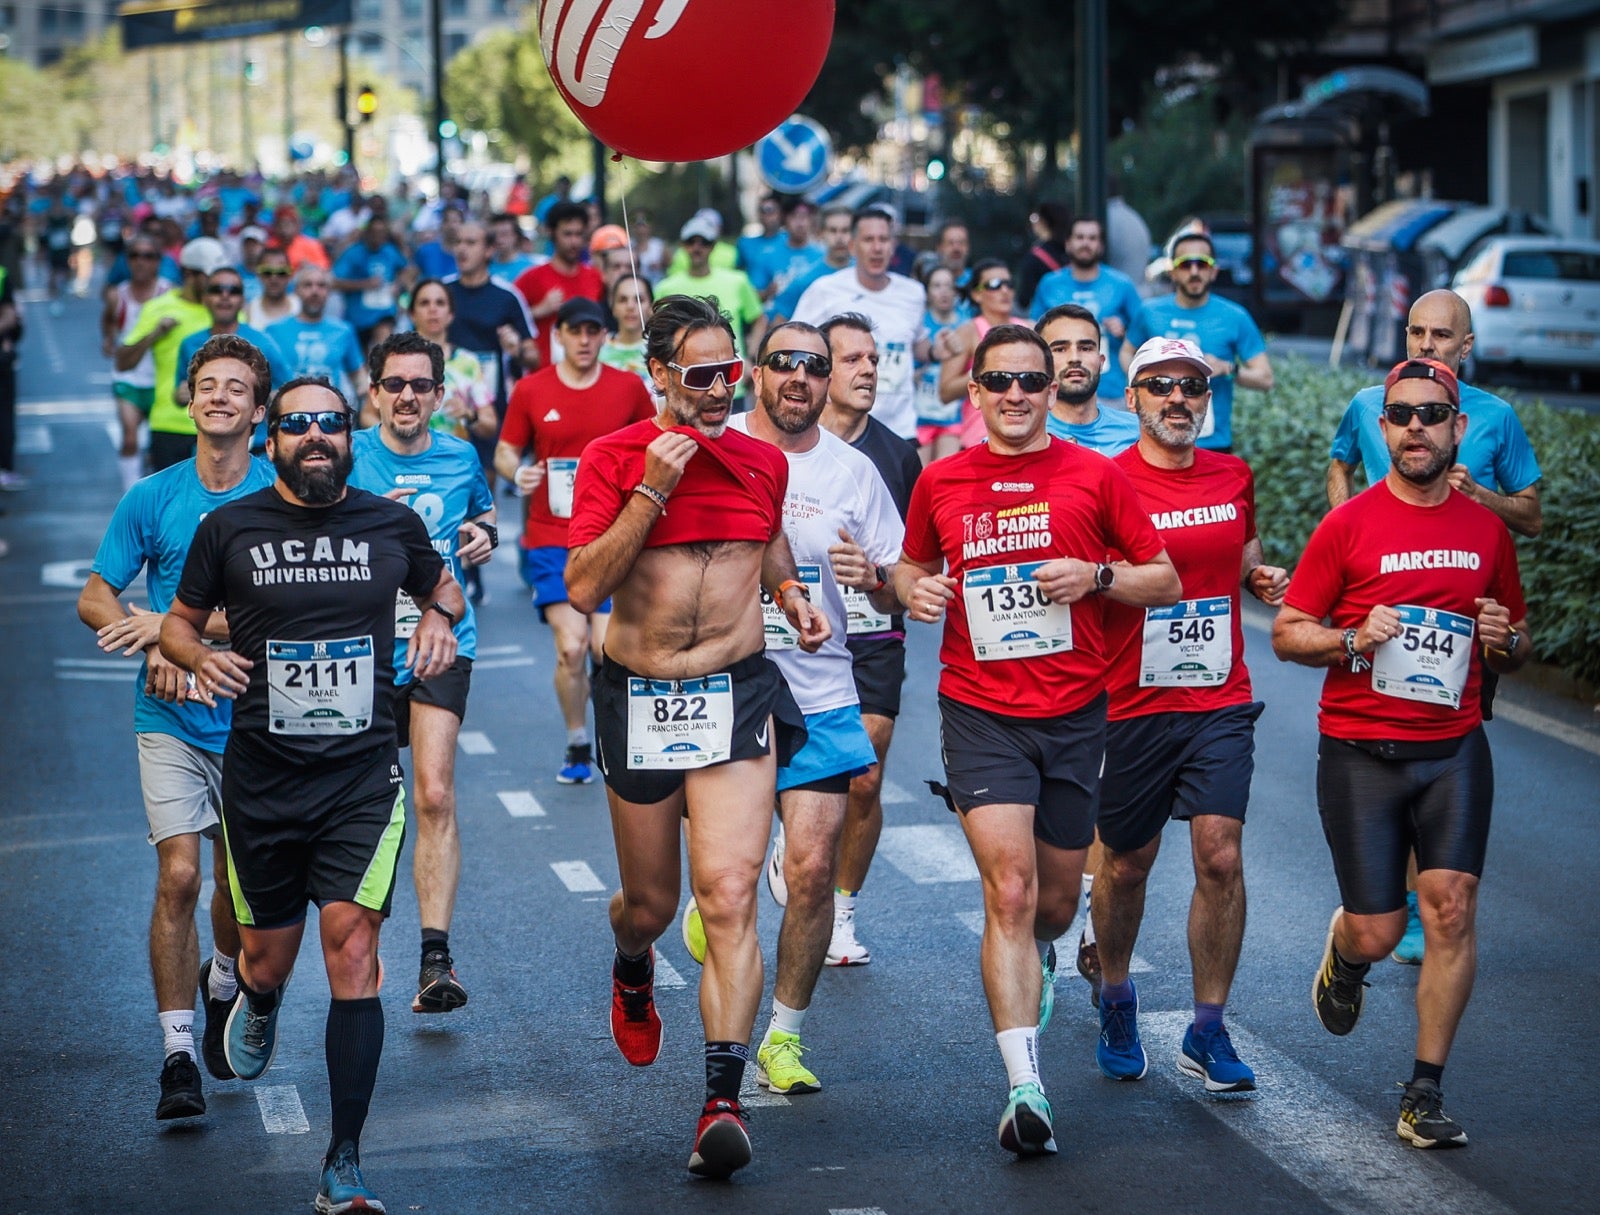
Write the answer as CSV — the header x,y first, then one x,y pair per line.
x,y
1535,303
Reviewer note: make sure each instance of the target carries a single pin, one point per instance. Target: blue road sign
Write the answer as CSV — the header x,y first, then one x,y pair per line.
x,y
795,157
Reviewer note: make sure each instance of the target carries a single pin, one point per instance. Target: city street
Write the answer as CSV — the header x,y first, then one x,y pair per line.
x,y
520,1101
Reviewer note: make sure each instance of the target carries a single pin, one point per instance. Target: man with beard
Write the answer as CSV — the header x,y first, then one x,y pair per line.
x,y
1077,412
312,802
1180,732
680,521
1224,332
1396,593
438,476
1108,294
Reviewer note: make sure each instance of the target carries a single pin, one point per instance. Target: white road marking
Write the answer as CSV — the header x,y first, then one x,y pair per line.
x,y
929,853
70,842
1584,740
667,974
576,876
281,1111
519,803
895,795
857,1211
1066,948
95,676
474,742
752,1094
496,651
67,406
34,440
496,664
1392,1179
118,664
65,573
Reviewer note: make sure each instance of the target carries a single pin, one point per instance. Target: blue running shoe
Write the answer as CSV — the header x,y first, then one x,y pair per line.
x,y
1210,1056
1047,993
343,1188
1025,1126
577,769
251,1040
1409,951
1119,1051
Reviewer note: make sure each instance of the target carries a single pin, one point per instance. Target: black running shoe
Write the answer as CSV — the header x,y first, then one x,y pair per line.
x,y
180,1089
438,989
1089,967
1339,988
1423,1122
213,1048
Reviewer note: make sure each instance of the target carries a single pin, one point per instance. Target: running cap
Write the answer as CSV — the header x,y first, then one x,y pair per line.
x,y
1425,369
581,311
204,254
253,232
705,224
606,237
1167,350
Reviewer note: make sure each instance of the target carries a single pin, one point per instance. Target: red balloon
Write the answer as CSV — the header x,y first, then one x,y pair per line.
x,y
684,79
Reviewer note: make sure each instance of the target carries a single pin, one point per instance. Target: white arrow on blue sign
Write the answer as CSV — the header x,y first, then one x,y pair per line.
x,y
795,157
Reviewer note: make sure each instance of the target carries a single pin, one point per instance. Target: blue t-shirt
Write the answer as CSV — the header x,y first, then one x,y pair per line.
x,y
509,270
1111,433
362,309
782,263
787,300
451,489
1495,448
327,347
1110,293
151,530
1221,329
752,251
433,261
282,369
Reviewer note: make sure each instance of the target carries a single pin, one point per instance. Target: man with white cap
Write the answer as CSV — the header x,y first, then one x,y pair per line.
x,y
731,288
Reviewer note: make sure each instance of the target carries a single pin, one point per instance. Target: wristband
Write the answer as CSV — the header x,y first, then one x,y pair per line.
x,y
799,586
654,494
443,611
1349,639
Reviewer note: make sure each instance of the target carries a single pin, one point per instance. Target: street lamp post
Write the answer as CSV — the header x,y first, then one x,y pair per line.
x,y
436,34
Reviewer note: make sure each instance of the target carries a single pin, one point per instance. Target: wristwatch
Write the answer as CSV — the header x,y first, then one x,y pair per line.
x,y
882,576
443,611
492,530
1513,643
1105,578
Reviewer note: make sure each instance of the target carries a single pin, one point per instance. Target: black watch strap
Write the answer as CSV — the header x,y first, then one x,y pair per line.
x,y
443,611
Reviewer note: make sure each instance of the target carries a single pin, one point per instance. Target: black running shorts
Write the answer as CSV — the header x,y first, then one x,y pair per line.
x,y
446,691
879,667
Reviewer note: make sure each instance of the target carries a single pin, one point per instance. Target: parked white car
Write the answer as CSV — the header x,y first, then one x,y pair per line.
x,y
1535,303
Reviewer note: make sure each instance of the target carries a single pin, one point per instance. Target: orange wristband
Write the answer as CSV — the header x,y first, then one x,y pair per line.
x,y
787,583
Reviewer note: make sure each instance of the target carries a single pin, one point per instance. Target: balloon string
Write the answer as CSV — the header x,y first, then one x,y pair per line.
x,y
628,231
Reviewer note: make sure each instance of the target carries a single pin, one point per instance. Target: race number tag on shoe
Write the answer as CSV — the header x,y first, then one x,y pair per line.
x,y
407,616
781,635
861,618
561,476
1187,644
1430,659
684,723
319,687
1009,615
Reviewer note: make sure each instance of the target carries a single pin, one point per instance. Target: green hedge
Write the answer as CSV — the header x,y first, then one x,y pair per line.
x,y
1285,435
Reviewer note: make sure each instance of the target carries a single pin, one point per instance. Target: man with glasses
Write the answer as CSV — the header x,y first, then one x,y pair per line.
x,y
731,288
1077,412
1180,733
1109,294
554,414
276,302
224,300
438,476
680,519
1224,332
313,804
1006,544
1397,594
318,345
133,389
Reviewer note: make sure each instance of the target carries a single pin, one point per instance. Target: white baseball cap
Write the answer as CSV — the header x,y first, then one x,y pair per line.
x,y
1168,350
204,254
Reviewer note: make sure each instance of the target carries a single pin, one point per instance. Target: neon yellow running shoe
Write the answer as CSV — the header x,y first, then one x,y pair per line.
x,y
779,1069
694,932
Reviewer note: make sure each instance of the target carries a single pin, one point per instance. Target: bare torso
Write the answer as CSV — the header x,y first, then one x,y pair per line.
x,y
686,610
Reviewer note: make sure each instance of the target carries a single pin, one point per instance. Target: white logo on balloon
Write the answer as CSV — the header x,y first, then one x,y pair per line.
x,y
564,26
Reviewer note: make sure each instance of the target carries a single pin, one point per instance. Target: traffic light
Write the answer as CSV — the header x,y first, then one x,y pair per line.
x,y
366,103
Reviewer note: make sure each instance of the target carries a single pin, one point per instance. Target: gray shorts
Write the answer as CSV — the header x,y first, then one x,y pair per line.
x,y
182,787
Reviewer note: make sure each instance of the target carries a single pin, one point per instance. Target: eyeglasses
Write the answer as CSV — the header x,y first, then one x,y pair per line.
x,y
996,284
329,421
1431,414
394,385
1162,385
819,365
272,272
1194,261
1001,381
700,377
221,290
144,257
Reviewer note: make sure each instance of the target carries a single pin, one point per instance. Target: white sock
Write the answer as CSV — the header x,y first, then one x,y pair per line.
x,y
177,1032
129,468
578,737
223,982
1088,914
1019,1048
785,1020
844,902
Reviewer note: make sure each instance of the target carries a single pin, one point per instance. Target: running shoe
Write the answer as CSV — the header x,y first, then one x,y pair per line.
x,y
438,989
1089,967
180,1088
843,948
775,880
1409,951
250,1040
694,932
343,1188
1047,989
635,1024
1338,989
779,1069
1209,1055
721,1141
212,1048
1025,1126
1423,1122
577,768
1119,1051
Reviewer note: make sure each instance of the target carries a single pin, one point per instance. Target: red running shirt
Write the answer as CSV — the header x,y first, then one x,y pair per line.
x,y
974,510
558,421
535,283
733,488
1205,514
1376,549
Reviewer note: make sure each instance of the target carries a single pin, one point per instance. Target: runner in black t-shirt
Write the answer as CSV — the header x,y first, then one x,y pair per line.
x,y
307,571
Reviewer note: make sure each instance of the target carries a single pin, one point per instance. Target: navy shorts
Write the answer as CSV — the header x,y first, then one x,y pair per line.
x,y
1167,766
544,570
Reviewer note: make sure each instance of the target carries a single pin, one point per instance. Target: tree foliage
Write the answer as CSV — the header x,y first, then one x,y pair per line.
x,y
500,85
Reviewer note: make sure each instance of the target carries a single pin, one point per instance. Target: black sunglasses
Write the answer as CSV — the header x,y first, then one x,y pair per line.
x,y
329,421
221,290
1001,381
269,272
819,365
1162,385
394,385
995,284
1431,414
144,257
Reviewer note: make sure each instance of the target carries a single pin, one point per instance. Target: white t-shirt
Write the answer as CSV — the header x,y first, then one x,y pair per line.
x,y
831,486
898,313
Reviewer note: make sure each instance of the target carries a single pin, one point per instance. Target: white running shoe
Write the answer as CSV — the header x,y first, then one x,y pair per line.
x,y
775,880
844,949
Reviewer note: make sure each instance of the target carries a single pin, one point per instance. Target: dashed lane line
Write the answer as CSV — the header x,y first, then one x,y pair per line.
x,y
520,803
577,877
928,853
667,974
498,664
896,795
281,1111
475,742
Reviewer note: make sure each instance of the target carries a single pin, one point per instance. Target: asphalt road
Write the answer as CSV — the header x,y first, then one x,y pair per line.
x,y
519,1102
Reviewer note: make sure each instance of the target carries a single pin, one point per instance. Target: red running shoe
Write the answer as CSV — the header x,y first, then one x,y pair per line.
x,y
722,1141
635,1026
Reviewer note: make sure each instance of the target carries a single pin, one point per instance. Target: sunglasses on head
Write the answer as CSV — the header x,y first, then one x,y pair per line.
x,y
699,377
1001,381
1196,260
819,365
996,284
394,385
1162,385
329,421
1431,414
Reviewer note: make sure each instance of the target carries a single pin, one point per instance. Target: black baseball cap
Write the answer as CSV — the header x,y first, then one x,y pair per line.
x,y
581,311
